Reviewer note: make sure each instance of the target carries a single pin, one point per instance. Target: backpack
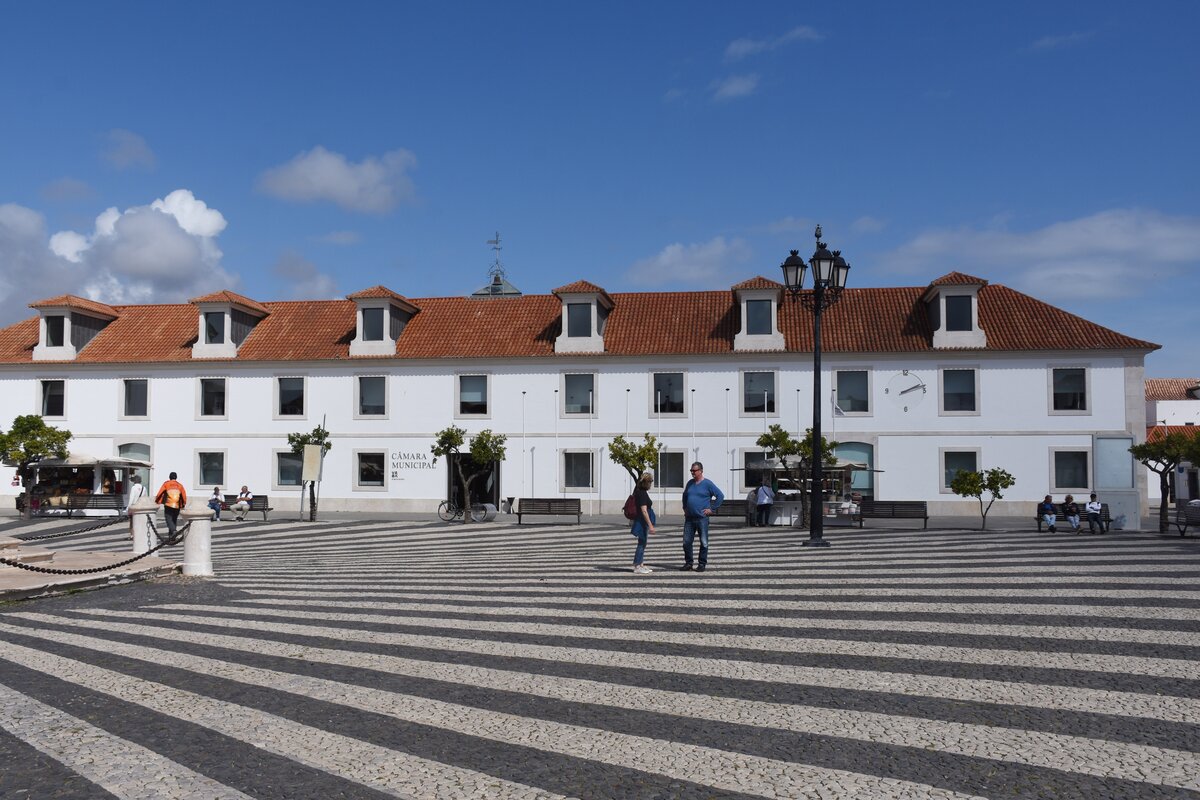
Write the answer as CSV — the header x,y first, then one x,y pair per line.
x,y
631,509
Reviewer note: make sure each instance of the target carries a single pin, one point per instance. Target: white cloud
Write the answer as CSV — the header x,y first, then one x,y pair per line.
x,y
1108,254
745,46
734,86
28,270
868,224
126,149
373,185
340,238
1067,40
707,264
302,278
193,215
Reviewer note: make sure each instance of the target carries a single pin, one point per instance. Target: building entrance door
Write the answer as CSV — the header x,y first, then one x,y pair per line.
x,y
484,489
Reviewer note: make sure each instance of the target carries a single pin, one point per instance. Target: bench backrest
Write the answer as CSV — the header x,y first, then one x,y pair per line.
x,y
549,505
1061,510
894,508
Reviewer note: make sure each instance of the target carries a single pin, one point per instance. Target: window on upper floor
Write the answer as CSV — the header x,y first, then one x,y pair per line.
x,y
579,393
212,397
1069,389
758,392
853,391
1070,470
958,390
758,318
214,327
137,397
55,331
372,396
472,395
54,398
958,313
579,319
372,324
290,397
668,393
955,461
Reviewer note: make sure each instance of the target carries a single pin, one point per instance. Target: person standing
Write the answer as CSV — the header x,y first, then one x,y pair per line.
x,y
1048,512
242,504
766,499
1071,512
1094,507
752,507
172,497
136,492
643,523
700,498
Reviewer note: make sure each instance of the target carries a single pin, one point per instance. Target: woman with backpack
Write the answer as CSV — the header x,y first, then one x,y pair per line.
x,y
643,520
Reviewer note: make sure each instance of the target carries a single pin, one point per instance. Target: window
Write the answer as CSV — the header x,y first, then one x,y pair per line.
x,y
579,319
577,470
211,468
1071,470
212,397
136,397
472,395
955,461
958,390
669,474
853,391
54,331
372,324
958,313
141,452
54,398
214,327
372,396
758,392
291,397
752,471
288,469
668,393
758,318
579,393
1069,388
369,470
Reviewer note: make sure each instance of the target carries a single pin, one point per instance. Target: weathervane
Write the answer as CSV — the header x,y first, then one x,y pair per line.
x,y
497,269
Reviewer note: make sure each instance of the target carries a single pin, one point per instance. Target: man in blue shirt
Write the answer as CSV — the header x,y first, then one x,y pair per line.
x,y
701,497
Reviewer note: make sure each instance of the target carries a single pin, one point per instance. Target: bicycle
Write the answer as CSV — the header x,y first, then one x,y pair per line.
x,y
450,510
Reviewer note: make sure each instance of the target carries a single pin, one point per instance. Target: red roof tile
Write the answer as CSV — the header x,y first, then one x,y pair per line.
x,y
375,292
1153,434
958,279
585,287
1172,388
233,298
79,303
757,282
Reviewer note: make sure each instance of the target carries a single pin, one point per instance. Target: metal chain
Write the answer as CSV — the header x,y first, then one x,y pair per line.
x,y
61,534
179,535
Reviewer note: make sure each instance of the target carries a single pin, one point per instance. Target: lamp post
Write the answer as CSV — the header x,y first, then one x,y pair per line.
x,y
829,278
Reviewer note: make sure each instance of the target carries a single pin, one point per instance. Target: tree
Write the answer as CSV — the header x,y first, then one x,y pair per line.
x,y
969,483
297,441
29,441
485,449
796,457
635,458
1162,454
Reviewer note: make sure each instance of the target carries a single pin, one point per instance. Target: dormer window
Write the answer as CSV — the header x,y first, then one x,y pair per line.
x,y
214,327
959,314
68,324
225,320
55,327
758,317
758,309
372,324
585,309
952,305
380,317
579,320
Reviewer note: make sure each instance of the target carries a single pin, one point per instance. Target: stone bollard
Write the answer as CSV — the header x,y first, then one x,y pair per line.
x,y
197,546
140,513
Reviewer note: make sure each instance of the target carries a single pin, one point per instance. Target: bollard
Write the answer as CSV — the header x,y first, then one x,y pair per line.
x,y
197,545
139,514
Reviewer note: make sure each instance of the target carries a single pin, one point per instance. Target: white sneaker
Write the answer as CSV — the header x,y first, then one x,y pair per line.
x,y
642,569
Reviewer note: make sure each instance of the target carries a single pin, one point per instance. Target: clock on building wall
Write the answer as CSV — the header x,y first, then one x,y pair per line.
x,y
906,389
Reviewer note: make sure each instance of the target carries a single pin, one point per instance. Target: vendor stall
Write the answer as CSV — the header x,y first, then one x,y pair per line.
x,y
57,480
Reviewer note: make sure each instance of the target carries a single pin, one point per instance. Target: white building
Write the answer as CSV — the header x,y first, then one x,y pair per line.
x,y
921,381
1173,406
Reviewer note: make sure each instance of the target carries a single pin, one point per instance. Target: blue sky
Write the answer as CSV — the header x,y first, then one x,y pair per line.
x,y
153,152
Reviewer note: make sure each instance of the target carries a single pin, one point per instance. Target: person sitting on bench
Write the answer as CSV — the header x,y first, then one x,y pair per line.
x,y
242,504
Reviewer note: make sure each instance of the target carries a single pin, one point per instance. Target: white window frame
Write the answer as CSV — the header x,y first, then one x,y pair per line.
x,y
562,470
358,397
276,486
358,487
275,395
41,396
200,417
1085,490
121,399
1087,388
942,451
562,388
487,377
772,326
742,412
224,468
652,406
684,466
942,391
870,412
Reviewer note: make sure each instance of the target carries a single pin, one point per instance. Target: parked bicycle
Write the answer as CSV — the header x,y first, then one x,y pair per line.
x,y
450,510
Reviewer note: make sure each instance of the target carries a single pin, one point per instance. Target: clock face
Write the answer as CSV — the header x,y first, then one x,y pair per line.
x,y
906,390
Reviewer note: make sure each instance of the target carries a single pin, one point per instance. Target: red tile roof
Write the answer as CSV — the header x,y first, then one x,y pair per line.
x,y
585,287
958,279
885,320
757,282
1153,434
376,291
233,298
1172,388
78,303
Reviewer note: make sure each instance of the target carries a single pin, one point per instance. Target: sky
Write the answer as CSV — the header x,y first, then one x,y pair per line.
x,y
154,152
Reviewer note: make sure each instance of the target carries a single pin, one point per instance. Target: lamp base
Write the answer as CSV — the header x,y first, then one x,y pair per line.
x,y
815,543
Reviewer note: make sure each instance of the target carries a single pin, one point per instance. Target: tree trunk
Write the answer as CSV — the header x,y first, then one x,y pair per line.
x,y
27,512
1164,491
312,501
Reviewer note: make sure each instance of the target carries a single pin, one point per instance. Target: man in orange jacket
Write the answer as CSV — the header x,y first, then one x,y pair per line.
x,y
172,497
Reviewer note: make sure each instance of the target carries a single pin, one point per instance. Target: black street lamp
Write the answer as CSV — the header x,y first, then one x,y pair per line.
x,y
829,278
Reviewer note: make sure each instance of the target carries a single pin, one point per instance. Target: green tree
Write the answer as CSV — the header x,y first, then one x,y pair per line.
x,y
485,449
969,483
635,458
1162,455
796,457
297,441
30,440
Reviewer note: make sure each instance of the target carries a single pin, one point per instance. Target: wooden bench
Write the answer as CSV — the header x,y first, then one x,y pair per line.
x,y
894,509
731,508
257,503
550,506
89,502
1105,518
1187,516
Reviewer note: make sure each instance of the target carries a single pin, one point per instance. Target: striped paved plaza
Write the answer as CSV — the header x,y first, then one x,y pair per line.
x,y
359,660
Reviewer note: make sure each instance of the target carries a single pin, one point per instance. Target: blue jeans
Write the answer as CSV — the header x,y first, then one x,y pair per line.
x,y
692,526
640,530
215,505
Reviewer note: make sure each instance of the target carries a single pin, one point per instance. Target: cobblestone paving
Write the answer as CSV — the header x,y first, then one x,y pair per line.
x,y
362,660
